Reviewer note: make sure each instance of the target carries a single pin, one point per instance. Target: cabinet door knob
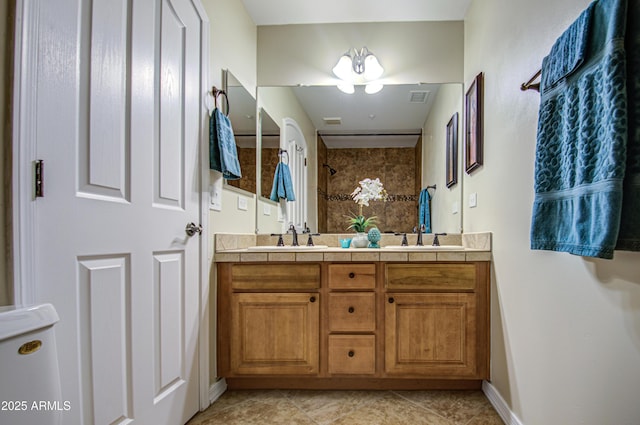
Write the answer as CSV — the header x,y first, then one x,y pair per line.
x,y
312,299
352,275
351,353
391,300
351,309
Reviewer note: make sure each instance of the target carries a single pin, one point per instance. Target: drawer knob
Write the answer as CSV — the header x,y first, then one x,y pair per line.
x,y
391,300
351,353
351,309
352,275
312,299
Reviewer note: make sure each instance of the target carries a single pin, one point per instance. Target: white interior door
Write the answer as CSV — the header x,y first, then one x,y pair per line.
x,y
112,100
294,142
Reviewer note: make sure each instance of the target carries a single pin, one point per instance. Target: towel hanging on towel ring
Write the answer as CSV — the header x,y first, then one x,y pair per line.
x,y
223,154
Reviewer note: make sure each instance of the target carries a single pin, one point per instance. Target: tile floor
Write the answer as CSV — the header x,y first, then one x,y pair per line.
x,y
305,407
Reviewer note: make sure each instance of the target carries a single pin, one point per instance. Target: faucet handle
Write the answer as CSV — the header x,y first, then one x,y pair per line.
x,y
280,240
310,239
404,239
436,241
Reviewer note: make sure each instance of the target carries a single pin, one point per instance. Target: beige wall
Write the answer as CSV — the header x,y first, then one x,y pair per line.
x,y
565,329
6,62
233,47
233,44
447,102
410,52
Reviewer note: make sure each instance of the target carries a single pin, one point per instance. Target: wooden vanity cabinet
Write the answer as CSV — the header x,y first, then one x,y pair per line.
x,y
437,320
268,319
377,325
274,333
351,319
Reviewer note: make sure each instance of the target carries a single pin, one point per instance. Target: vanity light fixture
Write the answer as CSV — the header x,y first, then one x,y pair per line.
x,y
358,66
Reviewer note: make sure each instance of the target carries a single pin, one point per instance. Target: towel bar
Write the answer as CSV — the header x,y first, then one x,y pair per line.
x,y
530,85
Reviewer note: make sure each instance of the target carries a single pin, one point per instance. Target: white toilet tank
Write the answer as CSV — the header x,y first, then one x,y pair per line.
x,y
29,376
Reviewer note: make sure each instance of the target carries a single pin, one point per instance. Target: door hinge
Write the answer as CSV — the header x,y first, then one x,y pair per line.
x,y
38,178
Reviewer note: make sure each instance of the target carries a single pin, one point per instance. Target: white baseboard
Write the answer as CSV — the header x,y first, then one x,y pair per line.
x,y
499,404
217,389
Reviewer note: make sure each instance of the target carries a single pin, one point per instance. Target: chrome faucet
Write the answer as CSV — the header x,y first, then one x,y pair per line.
x,y
292,229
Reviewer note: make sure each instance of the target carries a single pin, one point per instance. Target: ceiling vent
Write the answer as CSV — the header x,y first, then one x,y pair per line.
x,y
418,96
332,121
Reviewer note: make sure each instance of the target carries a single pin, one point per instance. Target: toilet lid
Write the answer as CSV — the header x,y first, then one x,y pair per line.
x,y
17,320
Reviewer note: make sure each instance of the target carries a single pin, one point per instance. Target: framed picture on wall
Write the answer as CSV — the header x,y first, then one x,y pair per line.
x,y
473,125
451,167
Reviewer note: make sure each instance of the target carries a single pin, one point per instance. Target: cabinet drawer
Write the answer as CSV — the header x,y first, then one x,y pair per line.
x,y
275,276
352,312
435,277
352,276
352,354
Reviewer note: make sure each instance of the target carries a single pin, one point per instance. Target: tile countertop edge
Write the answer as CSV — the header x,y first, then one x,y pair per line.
x,y
232,247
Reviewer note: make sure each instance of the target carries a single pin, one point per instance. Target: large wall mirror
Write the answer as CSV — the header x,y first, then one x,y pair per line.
x,y
269,146
268,212
242,114
398,135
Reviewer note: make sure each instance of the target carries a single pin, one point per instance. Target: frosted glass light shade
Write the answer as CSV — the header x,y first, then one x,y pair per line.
x,y
343,68
347,88
373,88
372,68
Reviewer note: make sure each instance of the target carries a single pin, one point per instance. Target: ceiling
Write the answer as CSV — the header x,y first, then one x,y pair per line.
x,y
286,12
391,117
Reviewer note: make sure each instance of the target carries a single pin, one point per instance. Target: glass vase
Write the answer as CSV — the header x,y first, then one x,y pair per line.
x,y
360,240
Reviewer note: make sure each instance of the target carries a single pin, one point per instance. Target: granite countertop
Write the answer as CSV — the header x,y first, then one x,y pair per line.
x,y
247,247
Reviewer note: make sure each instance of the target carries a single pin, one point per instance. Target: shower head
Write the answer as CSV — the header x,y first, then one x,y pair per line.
x,y
332,171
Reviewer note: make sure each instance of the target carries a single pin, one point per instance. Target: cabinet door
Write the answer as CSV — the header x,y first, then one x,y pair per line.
x,y
431,335
274,333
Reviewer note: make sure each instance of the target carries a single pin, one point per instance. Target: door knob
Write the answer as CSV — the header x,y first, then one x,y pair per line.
x,y
193,228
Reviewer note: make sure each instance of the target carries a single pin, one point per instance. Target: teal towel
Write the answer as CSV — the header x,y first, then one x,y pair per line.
x,y
223,155
582,139
424,210
282,186
629,236
568,52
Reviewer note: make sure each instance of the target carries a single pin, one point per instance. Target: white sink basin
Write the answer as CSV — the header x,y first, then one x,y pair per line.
x,y
287,248
427,247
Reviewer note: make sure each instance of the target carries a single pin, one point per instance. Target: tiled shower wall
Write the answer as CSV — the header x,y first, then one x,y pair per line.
x,y
247,158
397,168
